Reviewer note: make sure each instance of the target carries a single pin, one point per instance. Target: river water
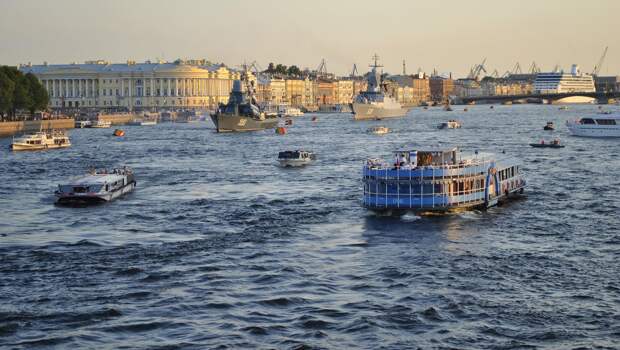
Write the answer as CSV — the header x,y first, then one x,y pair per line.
x,y
218,247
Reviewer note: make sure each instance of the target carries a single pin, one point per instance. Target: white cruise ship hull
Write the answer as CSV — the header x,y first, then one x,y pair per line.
x,y
594,130
366,111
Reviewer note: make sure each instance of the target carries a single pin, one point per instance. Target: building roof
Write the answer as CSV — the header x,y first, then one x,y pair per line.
x,y
105,67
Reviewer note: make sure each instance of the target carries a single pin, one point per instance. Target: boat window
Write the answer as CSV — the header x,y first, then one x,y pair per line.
x,y
107,188
80,189
606,122
587,121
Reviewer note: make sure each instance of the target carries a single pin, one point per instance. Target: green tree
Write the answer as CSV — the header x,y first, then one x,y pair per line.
x,y
293,71
21,95
7,86
281,69
271,68
38,95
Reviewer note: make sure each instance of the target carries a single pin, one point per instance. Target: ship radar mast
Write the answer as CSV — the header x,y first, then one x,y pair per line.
x,y
374,78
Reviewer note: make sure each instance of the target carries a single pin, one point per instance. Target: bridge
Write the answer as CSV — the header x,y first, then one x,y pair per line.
x,y
601,96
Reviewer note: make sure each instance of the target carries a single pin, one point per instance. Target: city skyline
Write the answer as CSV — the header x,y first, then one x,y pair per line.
x,y
448,38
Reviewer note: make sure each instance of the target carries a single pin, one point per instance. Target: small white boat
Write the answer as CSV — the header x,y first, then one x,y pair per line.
x,y
601,125
142,122
379,130
41,140
80,124
288,111
295,158
99,186
100,124
451,124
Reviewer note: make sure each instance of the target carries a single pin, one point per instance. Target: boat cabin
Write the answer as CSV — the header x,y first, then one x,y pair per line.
x,y
296,155
433,157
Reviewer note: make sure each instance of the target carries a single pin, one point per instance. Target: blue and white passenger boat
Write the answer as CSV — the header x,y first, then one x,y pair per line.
x,y
439,180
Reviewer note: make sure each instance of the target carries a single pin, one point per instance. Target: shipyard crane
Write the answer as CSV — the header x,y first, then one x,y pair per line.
x,y
495,74
534,68
475,71
517,69
354,72
598,66
321,71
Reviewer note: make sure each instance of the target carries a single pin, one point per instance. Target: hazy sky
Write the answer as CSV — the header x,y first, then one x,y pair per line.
x,y
449,35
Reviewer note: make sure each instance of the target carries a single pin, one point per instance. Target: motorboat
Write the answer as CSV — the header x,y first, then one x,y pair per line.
x,y
80,124
289,111
100,124
451,124
42,140
550,144
142,122
600,125
439,180
378,130
98,186
549,126
295,158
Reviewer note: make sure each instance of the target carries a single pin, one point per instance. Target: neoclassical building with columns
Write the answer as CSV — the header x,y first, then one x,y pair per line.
x,y
135,86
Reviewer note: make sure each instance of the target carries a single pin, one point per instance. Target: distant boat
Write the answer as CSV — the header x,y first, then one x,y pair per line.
x,y
549,126
97,187
100,124
142,122
119,132
41,141
295,158
552,144
451,124
379,130
80,124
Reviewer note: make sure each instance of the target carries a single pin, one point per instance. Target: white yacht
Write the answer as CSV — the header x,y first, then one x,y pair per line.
x,y
142,122
295,158
289,111
379,130
600,125
375,103
450,124
98,186
41,140
100,124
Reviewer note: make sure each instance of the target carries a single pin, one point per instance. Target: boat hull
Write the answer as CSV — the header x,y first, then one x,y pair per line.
x,y
593,131
93,198
365,111
26,147
239,123
294,162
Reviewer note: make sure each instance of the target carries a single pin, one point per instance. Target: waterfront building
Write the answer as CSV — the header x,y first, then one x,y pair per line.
x,y
134,86
607,84
343,92
560,82
502,87
412,90
299,92
325,91
441,88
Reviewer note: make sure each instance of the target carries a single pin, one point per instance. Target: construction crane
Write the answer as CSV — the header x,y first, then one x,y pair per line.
x,y
354,72
598,66
475,71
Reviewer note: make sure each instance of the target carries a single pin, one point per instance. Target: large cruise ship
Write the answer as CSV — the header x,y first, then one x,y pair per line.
x,y
374,103
566,83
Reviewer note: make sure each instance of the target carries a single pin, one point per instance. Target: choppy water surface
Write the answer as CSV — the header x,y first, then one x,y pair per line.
x,y
220,248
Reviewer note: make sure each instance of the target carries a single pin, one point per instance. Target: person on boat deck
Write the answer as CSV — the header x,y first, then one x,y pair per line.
x,y
542,142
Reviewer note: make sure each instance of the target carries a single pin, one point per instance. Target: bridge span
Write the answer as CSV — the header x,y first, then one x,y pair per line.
x,y
600,96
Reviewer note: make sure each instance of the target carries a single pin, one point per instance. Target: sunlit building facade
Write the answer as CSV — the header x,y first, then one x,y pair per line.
x,y
131,86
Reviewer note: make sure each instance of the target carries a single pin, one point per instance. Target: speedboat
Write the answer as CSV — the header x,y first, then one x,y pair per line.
x,y
549,126
379,130
100,124
99,186
41,140
295,158
601,125
451,124
439,180
552,144
142,122
80,124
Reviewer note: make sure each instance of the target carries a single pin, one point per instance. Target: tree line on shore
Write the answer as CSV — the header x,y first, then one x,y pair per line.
x,y
20,93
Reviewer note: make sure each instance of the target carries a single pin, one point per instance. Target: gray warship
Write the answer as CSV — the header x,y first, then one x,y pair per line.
x,y
374,103
242,113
